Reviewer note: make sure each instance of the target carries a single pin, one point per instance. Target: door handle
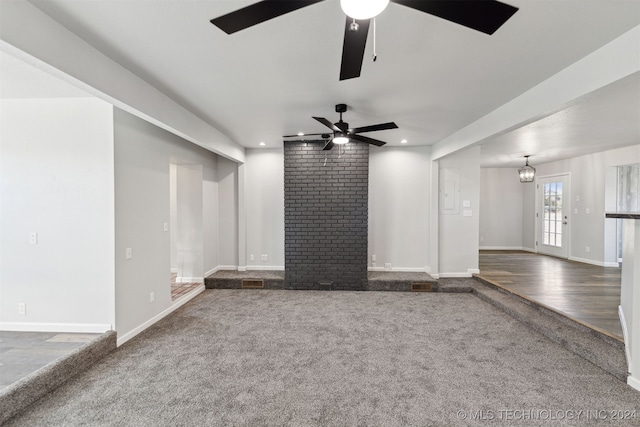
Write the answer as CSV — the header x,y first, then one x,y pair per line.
x,y
564,222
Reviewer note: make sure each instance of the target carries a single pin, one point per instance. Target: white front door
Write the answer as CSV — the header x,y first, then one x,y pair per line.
x,y
553,215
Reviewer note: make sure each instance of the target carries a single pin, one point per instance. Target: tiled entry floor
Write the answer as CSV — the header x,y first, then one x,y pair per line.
x,y
179,289
22,353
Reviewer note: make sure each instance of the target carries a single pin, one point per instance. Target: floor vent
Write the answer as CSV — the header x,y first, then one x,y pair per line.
x,y
252,284
326,286
420,287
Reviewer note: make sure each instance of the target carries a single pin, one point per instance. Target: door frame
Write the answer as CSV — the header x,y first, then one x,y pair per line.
x,y
566,201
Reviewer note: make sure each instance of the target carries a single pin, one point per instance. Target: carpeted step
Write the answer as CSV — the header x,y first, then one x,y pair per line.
x,y
599,349
31,388
233,279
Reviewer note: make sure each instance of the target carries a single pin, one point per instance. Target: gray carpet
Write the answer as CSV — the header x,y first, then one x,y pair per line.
x,y
305,358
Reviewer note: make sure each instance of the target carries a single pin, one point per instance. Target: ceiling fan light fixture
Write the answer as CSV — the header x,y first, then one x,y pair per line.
x,y
340,138
527,173
363,9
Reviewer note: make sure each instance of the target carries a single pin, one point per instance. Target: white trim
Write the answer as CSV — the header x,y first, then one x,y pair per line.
x,y
265,267
473,271
55,327
400,269
435,275
176,304
633,382
503,248
220,267
594,262
451,275
174,270
243,268
625,335
226,267
189,280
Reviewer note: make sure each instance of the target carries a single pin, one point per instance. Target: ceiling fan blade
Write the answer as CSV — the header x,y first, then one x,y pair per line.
x,y
328,124
481,15
306,134
329,145
367,140
307,140
381,126
258,13
353,48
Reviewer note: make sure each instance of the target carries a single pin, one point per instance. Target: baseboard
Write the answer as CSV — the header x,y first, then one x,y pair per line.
x,y
176,304
473,271
633,382
501,248
220,267
435,275
594,262
452,275
174,270
189,280
265,267
55,327
625,336
400,269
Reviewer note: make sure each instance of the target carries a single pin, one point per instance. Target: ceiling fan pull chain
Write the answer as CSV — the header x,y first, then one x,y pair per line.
x,y
375,55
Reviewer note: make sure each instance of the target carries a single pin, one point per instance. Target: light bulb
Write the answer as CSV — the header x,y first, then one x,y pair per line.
x,y
363,9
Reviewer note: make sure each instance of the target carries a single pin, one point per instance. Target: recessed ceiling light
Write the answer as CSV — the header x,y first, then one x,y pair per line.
x,y
262,144
404,141
300,133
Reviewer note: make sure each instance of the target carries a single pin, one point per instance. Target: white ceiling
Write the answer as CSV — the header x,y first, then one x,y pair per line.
x,y
432,77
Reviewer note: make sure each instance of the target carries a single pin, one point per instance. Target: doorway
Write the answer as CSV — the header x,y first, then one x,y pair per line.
x,y
186,228
552,215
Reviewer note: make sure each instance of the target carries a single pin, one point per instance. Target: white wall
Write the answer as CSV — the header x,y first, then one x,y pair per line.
x,y
228,213
588,183
458,234
399,180
190,230
265,207
210,217
56,180
143,154
501,209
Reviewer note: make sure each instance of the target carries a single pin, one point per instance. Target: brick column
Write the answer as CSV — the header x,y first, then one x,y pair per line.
x,y
326,215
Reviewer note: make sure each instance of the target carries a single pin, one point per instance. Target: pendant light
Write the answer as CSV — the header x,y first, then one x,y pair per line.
x,y
527,173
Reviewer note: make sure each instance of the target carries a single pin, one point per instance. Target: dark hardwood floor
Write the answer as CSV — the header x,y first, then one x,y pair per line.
x,y
584,292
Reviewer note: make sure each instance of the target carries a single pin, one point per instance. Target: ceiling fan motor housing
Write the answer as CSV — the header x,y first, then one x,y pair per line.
x,y
341,108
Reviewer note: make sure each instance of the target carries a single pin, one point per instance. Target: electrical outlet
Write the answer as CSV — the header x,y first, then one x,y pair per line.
x,y
587,211
252,258
482,238
22,308
165,227
33,238
128,253
265,257
373,258
387,266
152,296
587,249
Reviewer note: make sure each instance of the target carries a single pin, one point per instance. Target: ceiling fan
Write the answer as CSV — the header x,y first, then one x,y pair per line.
x,y
482,15
342,134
